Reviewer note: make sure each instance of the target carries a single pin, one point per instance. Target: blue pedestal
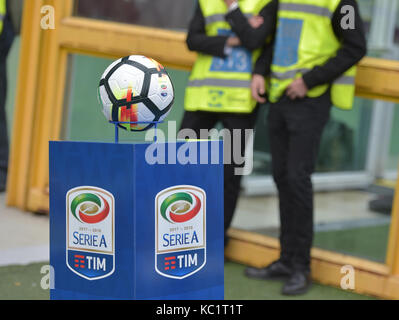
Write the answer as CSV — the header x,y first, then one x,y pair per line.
x,y
124,227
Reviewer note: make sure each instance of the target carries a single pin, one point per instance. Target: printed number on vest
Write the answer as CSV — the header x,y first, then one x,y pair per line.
x,y
287,42
239,60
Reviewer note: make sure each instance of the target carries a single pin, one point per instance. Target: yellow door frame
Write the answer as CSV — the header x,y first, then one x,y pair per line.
x,y
39,109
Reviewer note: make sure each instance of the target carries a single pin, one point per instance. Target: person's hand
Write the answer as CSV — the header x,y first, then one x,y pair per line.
x,y
297,89
229,2
255,21
258,88
233,42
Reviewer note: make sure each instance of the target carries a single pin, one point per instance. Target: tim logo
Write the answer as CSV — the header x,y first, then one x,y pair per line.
x,y
180,231
90,251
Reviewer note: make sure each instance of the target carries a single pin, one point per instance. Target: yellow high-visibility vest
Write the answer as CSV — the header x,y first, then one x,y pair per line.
x,y
217,84
305,39
2,13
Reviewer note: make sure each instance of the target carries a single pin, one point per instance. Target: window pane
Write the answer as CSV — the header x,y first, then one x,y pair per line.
x,y
343,222
397,27
366,12
393,154
343,146
84,120
167,14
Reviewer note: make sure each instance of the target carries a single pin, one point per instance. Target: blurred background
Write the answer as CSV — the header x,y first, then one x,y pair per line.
x,y
358,160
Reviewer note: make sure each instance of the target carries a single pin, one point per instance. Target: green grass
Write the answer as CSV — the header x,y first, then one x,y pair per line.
x,y
23,283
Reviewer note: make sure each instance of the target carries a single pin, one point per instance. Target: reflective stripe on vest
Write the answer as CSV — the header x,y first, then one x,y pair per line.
x,y
306,8
227,83
217,84
344,79
305,39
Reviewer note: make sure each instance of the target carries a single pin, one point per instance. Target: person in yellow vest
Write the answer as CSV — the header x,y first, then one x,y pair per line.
x,y
219,90
6,37
316,47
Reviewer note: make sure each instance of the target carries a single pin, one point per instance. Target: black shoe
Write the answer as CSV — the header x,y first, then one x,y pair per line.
x,y
274,271
298,283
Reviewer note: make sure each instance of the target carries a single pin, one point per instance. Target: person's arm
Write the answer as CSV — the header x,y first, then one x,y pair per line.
x,y
197,40
260,71
264,61
254,38
353,49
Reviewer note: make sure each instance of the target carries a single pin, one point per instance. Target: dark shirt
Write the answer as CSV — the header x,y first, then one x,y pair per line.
x,y
251,39
7,35
353,48
254,38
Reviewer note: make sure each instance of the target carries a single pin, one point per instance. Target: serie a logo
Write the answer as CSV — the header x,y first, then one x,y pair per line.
x,y
180,231
90,223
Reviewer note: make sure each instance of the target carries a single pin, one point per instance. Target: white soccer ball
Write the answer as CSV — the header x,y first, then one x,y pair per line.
x,y
136,89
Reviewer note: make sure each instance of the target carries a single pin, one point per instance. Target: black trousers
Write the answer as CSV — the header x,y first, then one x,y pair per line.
x,y
295,129
3,123
207,120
